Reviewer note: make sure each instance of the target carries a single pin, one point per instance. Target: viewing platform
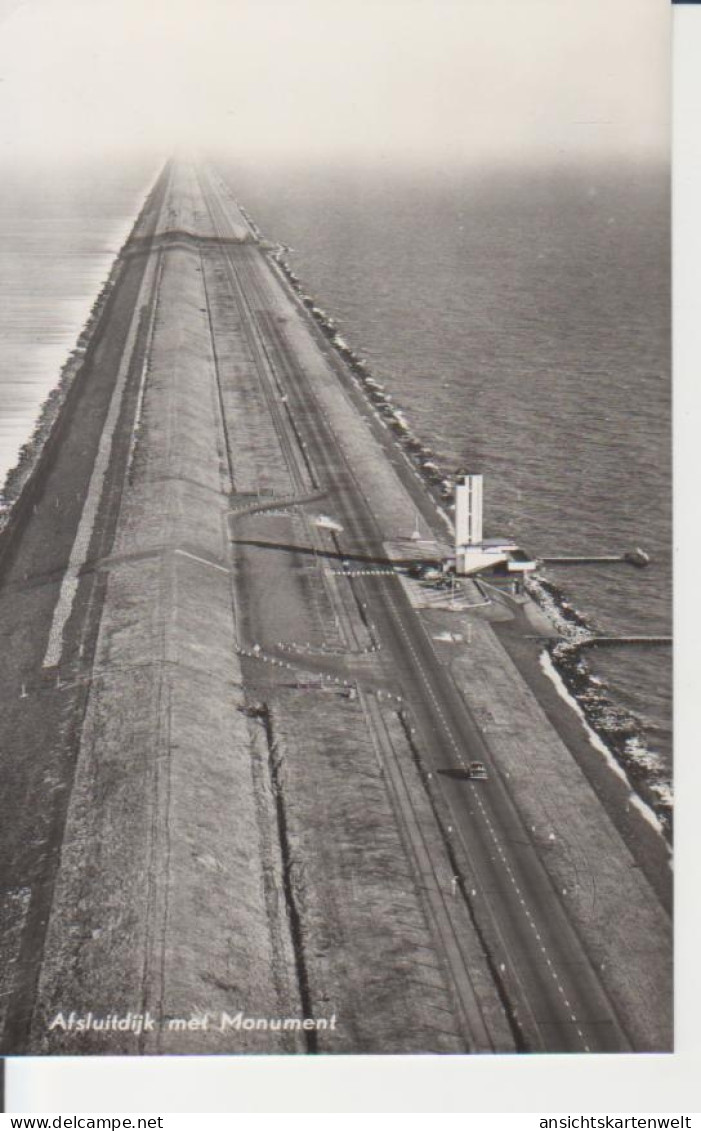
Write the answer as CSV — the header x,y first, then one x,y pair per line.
x,y
611,641
636,557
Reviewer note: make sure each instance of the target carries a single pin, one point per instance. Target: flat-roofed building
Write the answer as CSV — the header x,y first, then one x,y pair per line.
x,y
473,552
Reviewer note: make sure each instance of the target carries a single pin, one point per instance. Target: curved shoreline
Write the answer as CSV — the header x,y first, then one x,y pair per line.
x,y
30,453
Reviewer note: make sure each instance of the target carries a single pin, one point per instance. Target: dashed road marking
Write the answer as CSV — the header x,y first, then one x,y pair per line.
x,y
484,814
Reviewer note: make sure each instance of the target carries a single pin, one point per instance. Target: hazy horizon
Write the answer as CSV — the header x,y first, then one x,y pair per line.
x,y
406,83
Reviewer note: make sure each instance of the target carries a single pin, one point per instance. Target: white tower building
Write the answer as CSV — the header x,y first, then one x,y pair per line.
x,y
473,552
468,511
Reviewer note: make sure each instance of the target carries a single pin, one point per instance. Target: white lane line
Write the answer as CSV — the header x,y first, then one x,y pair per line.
x,y
195,558
486,818
79,551
142,380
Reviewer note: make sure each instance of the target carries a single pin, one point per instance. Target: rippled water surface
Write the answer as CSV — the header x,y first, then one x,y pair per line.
x,y
59,232
522,321
519,318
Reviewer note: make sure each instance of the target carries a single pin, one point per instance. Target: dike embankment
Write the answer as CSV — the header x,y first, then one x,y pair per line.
x,y
594,841
608,724
24,482
159,884
42,708
160,906
232,838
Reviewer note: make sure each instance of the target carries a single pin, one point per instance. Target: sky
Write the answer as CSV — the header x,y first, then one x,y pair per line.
x,y
427,81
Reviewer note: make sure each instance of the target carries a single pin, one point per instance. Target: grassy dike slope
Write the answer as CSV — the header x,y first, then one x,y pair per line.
x,y
160,902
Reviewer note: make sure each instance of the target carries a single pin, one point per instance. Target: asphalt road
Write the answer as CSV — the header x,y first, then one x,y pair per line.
x,y
555,998
557,1001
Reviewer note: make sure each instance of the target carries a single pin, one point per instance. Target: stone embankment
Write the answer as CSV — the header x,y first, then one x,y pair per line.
x,y
240,837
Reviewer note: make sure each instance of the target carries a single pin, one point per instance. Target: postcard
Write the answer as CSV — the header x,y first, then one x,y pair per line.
x,y
335,560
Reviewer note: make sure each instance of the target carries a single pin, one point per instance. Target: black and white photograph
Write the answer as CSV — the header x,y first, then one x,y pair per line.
x,y
335,528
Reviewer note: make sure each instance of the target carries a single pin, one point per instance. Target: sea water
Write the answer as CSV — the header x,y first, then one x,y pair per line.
x,y
519,317
60,229
521,320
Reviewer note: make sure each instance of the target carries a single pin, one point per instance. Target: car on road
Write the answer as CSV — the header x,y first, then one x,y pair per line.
x,y
476,771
